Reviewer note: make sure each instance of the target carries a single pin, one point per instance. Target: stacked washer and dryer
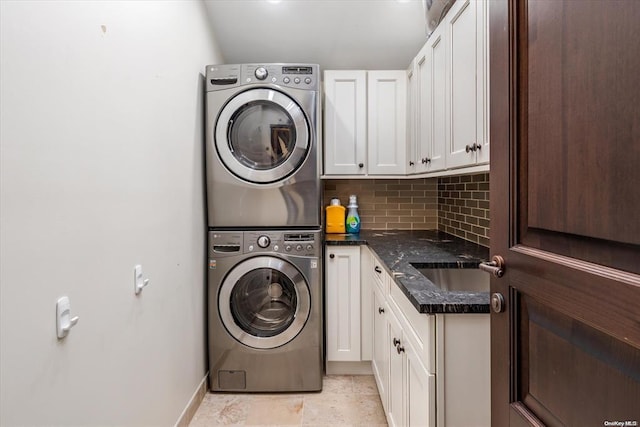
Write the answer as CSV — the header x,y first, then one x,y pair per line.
x,y
264,218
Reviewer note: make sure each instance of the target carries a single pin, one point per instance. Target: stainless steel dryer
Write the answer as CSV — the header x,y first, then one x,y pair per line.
x,y
265,311
262,140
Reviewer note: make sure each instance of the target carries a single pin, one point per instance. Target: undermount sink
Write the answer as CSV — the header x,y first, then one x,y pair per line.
x,y
457,279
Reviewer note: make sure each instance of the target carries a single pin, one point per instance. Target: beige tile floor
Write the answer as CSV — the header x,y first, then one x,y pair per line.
x,y
344,401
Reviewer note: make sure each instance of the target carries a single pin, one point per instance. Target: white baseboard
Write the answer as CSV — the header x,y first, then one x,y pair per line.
x,y
349,368
191,408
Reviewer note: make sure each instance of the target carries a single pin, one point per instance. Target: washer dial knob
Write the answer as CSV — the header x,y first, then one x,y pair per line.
x,y
264,241
261,73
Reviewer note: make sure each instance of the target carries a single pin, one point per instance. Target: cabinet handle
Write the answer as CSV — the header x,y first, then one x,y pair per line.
x,y
399,349
377,269
380,310
360,165
396,342
426,160
332,256
473,147
411,163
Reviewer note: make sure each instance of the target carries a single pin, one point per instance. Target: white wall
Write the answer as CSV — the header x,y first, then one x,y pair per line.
x,y
101,169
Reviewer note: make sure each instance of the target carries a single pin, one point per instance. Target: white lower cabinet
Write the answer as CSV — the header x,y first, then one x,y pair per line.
x,y
380,358
342,269
406,387
431,370
421,390
396,404
422,362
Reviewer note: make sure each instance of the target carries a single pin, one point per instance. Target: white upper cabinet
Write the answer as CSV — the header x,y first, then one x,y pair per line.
x,y
345,119
412,113
432,137
465,26
365,122
387,108
432,117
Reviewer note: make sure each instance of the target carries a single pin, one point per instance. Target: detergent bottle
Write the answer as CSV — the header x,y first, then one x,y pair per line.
x,y
353,219
335,217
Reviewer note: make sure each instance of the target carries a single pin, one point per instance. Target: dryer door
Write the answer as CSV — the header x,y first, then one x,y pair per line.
x,y
264,302
262,136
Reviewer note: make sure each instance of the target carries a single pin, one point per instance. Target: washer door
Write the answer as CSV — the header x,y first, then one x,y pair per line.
x,y
262,136
264,302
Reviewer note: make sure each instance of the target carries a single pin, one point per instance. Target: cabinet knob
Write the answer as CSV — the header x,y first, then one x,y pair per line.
x,y
396,342
332,256
380,310
399,349
411,163
377,269
360,165
426,160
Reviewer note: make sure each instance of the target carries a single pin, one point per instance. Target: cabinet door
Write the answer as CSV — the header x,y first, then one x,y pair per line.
x,y
482,85
396,399
461,27
424,105
433,118
420,390
380,360
412,119
343,303
387,139
345,122
366,299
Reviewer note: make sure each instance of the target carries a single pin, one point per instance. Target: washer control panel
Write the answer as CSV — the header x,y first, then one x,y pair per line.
x,y
299,243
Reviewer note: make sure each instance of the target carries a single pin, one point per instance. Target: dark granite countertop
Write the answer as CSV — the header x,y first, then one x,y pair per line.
x,y
397,250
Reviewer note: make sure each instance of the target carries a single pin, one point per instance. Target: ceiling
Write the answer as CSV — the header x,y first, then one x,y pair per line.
x,y
337,34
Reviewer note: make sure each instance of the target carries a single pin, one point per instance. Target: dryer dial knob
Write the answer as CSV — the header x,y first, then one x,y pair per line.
x,y
298,247
261,73
264,241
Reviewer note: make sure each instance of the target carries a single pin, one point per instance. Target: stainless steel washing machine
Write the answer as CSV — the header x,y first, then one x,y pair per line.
x,y
265,311
262,136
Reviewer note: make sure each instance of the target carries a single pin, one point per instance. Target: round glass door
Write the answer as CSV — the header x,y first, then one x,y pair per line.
x,y
264,302
262,135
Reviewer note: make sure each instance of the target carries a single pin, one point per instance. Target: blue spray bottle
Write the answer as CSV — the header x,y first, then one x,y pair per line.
x,y
353,219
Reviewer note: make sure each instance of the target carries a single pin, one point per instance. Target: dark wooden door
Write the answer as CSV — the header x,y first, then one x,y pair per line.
x,y
565,207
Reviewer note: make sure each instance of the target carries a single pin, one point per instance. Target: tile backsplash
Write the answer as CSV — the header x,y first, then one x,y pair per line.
x,y
463,207
458,205
388,204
